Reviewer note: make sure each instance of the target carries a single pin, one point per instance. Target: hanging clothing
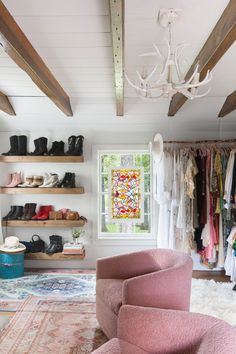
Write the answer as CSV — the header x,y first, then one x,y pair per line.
x,y
230,261
229,179
190,187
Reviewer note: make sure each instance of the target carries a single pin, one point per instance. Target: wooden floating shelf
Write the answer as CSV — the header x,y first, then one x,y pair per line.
x,y
44,223
64,159
18,190
54,257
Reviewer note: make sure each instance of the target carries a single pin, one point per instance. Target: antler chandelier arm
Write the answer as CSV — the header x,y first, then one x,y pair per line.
x,y
170,80
177,54
191,96
204,82
144,80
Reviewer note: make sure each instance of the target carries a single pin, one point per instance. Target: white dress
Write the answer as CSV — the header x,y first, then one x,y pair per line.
x,y
230,261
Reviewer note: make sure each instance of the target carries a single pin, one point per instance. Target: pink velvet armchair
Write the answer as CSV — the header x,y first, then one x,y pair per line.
x,y
143,330
151,278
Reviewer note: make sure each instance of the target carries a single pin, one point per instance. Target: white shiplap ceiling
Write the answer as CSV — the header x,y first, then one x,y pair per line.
x,y
73,38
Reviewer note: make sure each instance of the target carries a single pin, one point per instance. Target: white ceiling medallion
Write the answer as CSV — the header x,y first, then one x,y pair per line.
x,y
170,79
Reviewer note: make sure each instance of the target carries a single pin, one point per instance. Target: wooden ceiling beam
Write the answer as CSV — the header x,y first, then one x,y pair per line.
x,y
117,29
229,105
21,51
221,38
5,105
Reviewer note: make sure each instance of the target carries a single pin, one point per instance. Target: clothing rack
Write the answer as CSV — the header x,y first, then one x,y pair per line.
x,y
201,141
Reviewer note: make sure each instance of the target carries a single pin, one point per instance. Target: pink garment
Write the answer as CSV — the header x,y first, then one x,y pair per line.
x,y
159,331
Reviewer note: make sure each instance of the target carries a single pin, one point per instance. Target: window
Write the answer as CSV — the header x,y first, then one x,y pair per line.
x,y
109,161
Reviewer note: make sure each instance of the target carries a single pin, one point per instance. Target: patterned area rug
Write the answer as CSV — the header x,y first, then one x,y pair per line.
x,y
52,325
66,285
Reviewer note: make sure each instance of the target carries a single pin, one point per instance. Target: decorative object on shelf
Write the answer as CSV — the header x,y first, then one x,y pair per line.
x,y
57,148
43,213
29,211
71,144
156,147
55,215
28,182
15,213
73,248
37,182
12,245
76,235
55,245
68,180
35,245
170,81
51,180
40,147
72,215
18,146
75,144
83,218
16,179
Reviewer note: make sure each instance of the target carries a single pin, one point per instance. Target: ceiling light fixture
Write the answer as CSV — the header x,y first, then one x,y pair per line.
x,y
170,80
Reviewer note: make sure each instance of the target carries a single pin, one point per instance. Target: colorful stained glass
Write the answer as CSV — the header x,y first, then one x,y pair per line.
x,y
126,187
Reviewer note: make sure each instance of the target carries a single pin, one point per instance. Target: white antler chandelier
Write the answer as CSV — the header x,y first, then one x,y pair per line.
x,y
170,81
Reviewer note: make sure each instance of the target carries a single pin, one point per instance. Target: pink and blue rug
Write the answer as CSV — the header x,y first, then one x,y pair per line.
x,y
66,285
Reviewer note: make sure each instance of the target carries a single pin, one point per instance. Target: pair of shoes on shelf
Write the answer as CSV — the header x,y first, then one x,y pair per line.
x,y
40,147
32,182
15,213
51,180
18,146
14,180
43,213
57,149
68,181
55,245
75,145
29,211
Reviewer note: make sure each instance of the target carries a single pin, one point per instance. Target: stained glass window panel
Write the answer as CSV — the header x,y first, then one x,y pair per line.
x,y
126,192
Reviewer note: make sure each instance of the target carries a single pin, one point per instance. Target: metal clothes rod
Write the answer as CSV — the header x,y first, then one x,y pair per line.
x,y
201,141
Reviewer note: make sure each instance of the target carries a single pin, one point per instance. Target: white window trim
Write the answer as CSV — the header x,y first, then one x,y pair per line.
x,y
97,150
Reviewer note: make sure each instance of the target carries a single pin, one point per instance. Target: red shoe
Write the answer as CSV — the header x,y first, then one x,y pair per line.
x,y
43,213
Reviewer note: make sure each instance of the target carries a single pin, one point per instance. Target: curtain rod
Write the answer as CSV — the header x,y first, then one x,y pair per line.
x,y
201,141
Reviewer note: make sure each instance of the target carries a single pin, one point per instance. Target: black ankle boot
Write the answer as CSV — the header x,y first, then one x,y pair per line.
x,y
25,211
29,211
17,213
40,147
53,148
35,152
11,212
22,145
13,146
59,150
55,245
78,150
71,144
68,180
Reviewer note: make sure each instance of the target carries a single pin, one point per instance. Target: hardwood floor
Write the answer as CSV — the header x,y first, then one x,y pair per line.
x,y
198,274
215,275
